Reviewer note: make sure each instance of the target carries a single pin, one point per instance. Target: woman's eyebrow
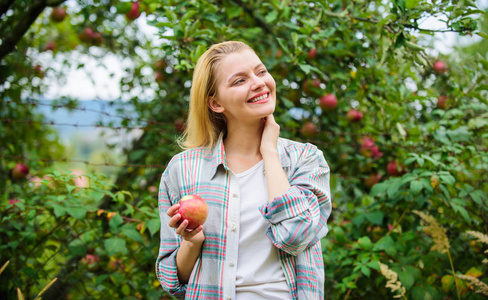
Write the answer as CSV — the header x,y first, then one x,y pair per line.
x,y
243,73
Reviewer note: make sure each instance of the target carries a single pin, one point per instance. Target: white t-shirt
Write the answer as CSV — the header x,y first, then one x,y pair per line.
x,y
259,273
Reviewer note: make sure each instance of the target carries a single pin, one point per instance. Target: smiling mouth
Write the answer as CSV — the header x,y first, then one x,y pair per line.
x,y
260,98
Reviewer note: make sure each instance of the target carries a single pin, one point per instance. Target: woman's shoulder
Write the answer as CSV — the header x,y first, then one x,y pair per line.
x,y
291,146
188,156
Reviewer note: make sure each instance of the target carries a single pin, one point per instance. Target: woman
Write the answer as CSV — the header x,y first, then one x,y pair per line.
x,y
268,197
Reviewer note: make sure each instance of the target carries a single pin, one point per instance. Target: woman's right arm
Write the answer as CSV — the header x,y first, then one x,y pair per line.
x,y
190,247
179,249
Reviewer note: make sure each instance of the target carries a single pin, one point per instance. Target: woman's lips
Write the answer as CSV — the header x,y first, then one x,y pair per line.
x,y
259,99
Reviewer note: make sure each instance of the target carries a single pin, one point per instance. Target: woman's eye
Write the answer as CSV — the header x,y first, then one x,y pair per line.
x,y
263,71
238,81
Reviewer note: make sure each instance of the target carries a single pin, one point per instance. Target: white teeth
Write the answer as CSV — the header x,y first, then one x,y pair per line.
x,y
259,98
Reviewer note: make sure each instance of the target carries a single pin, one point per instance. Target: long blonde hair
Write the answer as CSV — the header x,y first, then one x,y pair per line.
x,y
203,126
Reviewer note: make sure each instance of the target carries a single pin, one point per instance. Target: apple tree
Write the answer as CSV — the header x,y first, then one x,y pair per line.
x,y
402,126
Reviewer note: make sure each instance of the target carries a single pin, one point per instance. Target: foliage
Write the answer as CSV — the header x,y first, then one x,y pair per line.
x,y
374,56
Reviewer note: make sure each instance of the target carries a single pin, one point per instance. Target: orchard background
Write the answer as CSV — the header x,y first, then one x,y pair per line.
x,y
403,127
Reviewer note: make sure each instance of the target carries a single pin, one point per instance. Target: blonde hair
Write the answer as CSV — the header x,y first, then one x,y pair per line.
x,y
203,126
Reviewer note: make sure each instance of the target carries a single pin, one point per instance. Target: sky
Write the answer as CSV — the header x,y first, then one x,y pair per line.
x,y
102,86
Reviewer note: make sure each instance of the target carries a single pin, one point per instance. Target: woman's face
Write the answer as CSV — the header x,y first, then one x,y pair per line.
x,y
246,92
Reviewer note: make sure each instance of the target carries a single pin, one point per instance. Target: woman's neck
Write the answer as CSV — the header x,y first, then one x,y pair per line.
x,y
244,140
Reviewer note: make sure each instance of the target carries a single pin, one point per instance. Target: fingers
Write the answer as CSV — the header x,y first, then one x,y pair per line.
x,y
173,222
172,210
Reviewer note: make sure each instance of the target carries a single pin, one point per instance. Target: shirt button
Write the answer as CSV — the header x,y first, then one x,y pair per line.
x,y
233,228
231,264
234,195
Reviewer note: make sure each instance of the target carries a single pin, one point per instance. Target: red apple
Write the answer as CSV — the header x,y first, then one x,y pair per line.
x,y
312,54
91,37
160,64
38,71
354,115
90,259
309,130
328,102
439,67
371,180
152,189
316,82
58,14
180,125
50,46
19,171
159,76
134,13
194,209
442,102
394,169
279,53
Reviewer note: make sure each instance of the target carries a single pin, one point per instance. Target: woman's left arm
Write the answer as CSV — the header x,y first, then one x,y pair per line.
x,y
298,208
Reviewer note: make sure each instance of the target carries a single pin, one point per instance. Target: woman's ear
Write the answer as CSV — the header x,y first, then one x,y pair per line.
x,y
214,105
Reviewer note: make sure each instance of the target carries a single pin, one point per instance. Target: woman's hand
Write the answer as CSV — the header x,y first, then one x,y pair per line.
x,y
194,236
271,133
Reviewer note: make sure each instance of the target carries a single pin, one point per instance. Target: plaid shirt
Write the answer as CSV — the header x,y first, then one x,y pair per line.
x,y
297,221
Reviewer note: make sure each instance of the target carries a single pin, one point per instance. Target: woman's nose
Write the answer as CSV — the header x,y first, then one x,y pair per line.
x,y
258,82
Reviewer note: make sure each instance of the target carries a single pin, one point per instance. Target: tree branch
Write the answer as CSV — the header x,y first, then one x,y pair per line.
x,y
4,6
12,37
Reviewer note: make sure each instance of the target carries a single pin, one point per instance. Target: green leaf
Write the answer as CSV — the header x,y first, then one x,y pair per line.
x,y
379,188
77,247
133,234
271,16
375,217
394,186
407,278
409,4
59,210
365,243
153,225
70,187
305,68
115,222
416,186
462,211
447,179
366,271
76,212
386,244
115,245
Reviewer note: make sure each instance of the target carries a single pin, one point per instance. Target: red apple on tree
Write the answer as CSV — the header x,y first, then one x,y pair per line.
x,y
58,14
394,169
160,64
312,53
134,13
194,209
50,46
309,130
279,53
328,102
442,102
354,115
439,67
371,180
180,125
316,82
91,37
159,76
19,171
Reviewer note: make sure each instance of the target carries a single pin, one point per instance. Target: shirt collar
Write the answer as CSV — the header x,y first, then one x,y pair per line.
x,y
217,156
